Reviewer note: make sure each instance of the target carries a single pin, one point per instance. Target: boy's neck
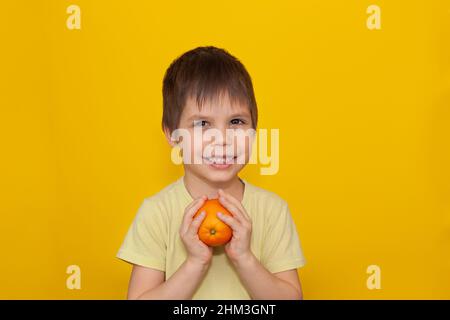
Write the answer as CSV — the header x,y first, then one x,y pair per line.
x,y
197,187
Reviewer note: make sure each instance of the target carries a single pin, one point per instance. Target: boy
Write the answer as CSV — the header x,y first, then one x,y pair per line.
x,y
207,88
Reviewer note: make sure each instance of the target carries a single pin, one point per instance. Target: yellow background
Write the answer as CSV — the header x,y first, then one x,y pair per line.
x,y
363,118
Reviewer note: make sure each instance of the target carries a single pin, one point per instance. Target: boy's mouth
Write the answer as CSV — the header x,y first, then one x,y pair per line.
x,y
219,163
226,160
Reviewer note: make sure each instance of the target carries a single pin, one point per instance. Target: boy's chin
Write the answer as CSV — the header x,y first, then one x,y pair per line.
x,y
218,175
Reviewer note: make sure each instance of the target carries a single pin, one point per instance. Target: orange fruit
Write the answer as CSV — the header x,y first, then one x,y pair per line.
x,y
213,231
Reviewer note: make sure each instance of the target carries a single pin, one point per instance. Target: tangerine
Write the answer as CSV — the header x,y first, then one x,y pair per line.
x,y
213,231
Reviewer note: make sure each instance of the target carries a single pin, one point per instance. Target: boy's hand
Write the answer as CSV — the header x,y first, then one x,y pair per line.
x,y
198,252
239,246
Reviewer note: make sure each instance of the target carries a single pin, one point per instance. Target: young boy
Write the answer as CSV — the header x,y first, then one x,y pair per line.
x,y
207,88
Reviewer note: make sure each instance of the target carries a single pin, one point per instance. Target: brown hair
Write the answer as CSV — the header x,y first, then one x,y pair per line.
x,y
205,73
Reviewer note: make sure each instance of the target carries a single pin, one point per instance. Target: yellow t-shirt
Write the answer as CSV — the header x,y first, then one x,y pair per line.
x,y
153,240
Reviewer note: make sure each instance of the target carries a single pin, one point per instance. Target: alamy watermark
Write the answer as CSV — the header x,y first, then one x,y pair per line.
x,y
237,146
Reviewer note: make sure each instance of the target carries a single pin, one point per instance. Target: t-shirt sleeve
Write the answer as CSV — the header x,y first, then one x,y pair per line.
x,y
282,248
145,243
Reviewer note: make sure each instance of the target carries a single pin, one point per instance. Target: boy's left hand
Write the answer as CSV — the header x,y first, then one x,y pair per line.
x,y
239,246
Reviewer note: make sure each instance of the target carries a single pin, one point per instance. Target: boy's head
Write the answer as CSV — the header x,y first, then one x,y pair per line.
x,y
207,88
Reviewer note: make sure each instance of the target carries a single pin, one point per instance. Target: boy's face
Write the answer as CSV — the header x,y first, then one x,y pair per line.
x,y
218,150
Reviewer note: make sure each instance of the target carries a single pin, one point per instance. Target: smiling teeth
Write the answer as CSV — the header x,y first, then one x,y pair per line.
x,y
220,160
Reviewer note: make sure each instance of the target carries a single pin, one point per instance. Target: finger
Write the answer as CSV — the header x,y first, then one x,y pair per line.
x,y
233,200
194,202
233,209
230,221
193,227
190,211
236,203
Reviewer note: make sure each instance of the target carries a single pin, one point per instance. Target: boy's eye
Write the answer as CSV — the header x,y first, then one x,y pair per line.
x,y
237,121
200,123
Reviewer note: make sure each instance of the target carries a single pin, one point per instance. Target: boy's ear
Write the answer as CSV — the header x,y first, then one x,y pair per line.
x,y
167,133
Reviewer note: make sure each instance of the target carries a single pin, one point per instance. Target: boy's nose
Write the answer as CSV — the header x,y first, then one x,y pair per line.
x,y
221,138
223,142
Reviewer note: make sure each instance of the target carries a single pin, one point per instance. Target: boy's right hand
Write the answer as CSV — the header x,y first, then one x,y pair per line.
x,y
198,252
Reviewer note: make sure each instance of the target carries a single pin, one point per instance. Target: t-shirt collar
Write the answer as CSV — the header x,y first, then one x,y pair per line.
x,y
188,196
